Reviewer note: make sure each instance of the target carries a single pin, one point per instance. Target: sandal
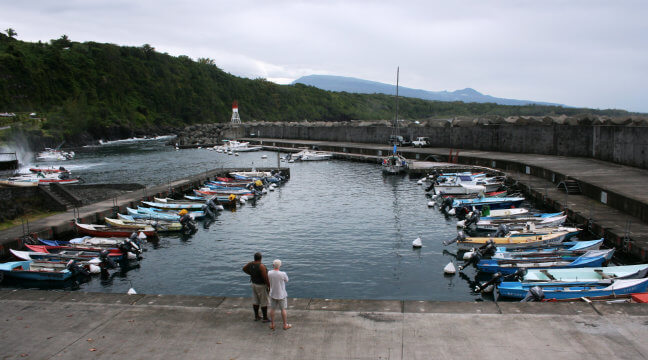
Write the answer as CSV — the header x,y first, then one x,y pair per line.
x,y
288,326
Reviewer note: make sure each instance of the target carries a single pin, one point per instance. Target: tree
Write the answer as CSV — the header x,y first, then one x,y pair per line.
x,y
11,33
148,50
206,61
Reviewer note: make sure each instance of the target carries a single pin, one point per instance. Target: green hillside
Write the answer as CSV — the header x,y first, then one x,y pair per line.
x,y
90,90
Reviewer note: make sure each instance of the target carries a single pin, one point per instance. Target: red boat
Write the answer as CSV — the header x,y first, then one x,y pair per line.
x,y
49,170
109,231
89,252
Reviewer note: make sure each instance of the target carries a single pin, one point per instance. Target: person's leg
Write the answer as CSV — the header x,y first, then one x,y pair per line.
x,y
272,306
284,314
256,312
264,311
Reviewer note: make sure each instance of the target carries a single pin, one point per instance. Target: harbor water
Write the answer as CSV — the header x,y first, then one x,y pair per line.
x,y
342,229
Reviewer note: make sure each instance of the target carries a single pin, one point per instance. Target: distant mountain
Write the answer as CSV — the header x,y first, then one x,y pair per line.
x,y
353,85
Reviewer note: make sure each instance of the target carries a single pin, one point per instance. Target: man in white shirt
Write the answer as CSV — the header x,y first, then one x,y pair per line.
x,y
278,294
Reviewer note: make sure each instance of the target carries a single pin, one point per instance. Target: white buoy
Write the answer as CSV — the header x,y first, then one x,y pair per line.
x,y
131,256
468,254
417,243
220,207
449,269
435,196
420,182
141,236
451,211
243,200
264,191
461,224
271,188
431,203
236,154
264,156
291,161
131,291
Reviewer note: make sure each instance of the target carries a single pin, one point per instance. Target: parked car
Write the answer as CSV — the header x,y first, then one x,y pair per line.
x,y
399,140
421,142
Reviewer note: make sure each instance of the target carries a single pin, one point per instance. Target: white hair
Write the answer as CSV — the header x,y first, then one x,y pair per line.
x,y
276,263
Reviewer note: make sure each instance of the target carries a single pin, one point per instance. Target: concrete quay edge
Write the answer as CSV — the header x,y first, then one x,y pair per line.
x,y
40,324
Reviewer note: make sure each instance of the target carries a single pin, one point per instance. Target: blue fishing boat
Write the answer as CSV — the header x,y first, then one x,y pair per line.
x,y
592,274
566,245
30,270
492,202
173,206
592,290
591,258
523,217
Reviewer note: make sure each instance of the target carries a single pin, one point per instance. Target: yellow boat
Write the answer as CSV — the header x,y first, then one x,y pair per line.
x,y
510,241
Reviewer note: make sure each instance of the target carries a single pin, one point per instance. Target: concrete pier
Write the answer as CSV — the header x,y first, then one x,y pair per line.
x,y
77,325
613,203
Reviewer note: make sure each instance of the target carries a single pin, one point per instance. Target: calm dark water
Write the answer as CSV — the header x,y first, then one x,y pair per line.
x,y
342,230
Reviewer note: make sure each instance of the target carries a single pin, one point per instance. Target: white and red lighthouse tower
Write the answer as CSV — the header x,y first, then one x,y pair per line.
x,y
236,119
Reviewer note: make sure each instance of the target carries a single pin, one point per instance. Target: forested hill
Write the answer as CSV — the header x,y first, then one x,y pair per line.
x,y
91,89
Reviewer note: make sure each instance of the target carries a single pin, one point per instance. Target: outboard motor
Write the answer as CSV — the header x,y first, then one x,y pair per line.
x,y
502,230
214,205
482,287
188,224
460,237
76,270
534,294
208,211
463,213
446,205
105,263
472,219
130,250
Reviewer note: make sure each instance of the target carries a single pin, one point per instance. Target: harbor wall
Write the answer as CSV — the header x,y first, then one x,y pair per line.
x,y
621,144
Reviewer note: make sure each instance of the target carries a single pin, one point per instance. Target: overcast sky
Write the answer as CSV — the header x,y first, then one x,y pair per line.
x,y
587,53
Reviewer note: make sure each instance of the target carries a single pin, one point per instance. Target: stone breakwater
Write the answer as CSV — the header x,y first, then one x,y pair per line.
x,y
619,140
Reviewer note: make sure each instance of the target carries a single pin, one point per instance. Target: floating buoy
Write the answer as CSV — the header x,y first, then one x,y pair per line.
x,y
291,161
271,188
417,243
264,156
435,196
431,203
131,291
468,254
141,236
451,211
420,182
131,256
449,269
220,207
243,199
461,224
264,191
236,154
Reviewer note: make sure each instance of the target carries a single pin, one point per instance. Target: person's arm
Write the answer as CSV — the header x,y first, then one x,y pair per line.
x,y
264,274
285,277
246,269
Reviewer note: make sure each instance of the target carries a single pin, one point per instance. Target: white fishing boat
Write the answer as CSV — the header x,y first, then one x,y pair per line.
x,y
311,155
54,154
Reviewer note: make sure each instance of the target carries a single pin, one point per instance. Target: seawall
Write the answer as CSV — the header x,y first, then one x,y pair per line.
x,y
621,141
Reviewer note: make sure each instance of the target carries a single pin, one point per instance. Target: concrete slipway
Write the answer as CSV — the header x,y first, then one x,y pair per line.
x,y
76,325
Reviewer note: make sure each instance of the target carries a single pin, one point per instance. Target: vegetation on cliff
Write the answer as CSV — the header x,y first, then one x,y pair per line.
x,y
92,90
